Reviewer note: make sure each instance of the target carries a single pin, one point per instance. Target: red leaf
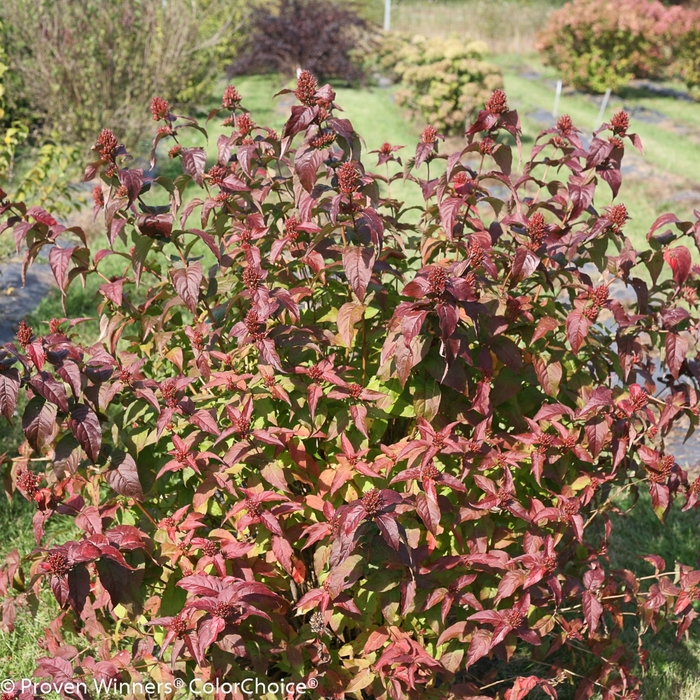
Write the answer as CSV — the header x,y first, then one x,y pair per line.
x,y
123,476
186,281
676,350
429,512
577,326
449,209
680,260
9,387
597,432
59,260
358,263
524,263
39,423
51,390
133,181
85,425
113,291
479,646
522,687
193,161
592,611
204,420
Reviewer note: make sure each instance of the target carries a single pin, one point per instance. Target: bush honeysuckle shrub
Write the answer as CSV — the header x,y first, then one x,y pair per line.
x,y
328,439
598,44
443,81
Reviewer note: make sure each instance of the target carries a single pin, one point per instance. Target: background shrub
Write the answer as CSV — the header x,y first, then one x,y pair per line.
x,y
600,44
325,37
81,65
325,440
685,39
444,82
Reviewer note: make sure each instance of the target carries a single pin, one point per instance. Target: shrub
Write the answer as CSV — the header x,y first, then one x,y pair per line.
x,y
600,44
323,440
82,65
48,180
324,37
685,39
443,81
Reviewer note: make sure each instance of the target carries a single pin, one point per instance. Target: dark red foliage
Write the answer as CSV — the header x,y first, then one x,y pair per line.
x,y
317,36
326,439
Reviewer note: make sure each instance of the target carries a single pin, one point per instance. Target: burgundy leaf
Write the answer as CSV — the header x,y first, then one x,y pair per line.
x,y
358,264
193,162
123,476
577,326
59,260
186,281
85,426
9,388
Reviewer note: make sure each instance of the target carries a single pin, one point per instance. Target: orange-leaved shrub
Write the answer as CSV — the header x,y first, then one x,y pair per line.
x,y
324,440
600,44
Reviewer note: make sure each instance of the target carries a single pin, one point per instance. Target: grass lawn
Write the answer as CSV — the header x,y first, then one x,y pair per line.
x,y
668,167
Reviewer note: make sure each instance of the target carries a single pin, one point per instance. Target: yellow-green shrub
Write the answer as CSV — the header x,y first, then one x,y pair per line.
x,y
443,81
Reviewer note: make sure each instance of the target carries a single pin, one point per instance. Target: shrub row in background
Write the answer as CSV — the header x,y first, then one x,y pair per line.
x,y
444,82
324,440
601,44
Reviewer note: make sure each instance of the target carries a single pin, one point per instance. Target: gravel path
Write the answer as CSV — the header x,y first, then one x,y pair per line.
x,y
17,301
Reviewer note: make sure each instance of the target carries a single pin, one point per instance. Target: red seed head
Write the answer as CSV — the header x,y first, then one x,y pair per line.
x,y
565,125
57,564
437,280
290,228
372,502
217,174
486,146
231,98
24,334
386,149
175,151
28,482
536,228
515,618
620,123
348,177
600,295
211,549
475,253
429,135
178,625
316,373
497,103
169,392
159,108
306,88
54,326
429,471
98,196
106,144
355,391
618,217
224,610
245,124
252,279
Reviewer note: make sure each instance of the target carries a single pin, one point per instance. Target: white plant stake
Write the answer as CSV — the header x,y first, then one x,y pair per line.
x,y
604,104
557,96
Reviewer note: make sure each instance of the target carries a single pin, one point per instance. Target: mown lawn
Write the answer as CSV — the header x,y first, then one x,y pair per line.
x,y
667,168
